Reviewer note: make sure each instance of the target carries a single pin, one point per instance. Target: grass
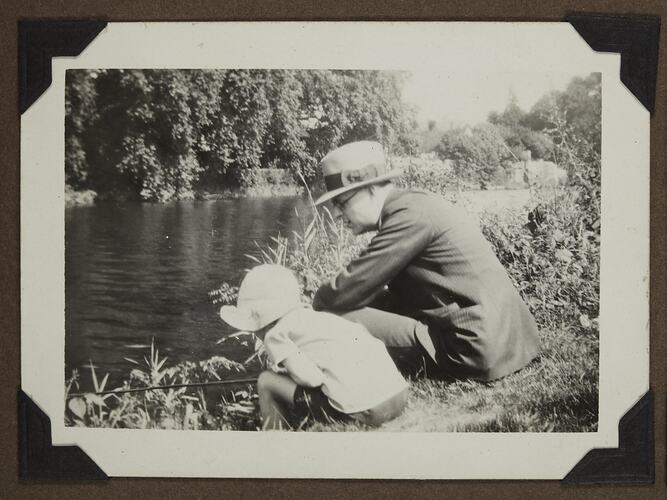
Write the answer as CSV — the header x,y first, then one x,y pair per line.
x,y
555,393
551,394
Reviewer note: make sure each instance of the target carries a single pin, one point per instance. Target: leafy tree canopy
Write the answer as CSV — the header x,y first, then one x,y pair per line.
x,y
162,134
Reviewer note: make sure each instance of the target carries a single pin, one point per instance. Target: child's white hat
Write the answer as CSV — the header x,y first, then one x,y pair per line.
x,y
266,294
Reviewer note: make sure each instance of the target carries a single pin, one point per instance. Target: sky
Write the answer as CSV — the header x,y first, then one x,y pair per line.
x,y
456,99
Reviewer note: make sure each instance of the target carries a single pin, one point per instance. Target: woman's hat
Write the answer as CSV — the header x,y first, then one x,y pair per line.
x,y
266,294
352,166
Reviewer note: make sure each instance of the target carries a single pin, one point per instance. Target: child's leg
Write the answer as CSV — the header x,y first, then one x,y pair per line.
x,y
276,397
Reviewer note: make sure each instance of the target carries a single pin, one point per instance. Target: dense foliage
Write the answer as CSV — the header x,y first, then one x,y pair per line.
x,y
167,134
580,105
477,154
482,154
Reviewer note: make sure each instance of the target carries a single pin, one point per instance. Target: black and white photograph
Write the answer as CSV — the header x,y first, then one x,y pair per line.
x,y
339,217
365,245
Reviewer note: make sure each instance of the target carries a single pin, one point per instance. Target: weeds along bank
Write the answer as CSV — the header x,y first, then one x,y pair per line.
x,y
551,252
172,408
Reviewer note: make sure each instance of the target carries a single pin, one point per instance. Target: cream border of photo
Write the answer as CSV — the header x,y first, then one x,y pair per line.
x,y
456,47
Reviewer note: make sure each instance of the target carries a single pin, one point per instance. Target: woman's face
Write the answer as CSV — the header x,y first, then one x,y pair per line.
x,y
357,209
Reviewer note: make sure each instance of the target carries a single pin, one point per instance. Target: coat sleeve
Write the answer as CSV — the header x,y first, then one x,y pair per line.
x,y
405,232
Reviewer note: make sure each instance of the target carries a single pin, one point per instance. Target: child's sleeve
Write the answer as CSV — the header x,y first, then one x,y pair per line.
x,y
279,346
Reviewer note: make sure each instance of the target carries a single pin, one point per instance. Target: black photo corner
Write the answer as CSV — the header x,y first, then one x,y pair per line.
x,y
635,38
39,459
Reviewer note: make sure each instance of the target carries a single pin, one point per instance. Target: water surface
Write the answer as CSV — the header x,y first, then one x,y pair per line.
x,y
138,271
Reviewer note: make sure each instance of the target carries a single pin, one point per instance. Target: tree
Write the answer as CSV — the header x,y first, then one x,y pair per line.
x,y
428,138
511,117
162,134
285,141
80,112
346,106
581,106
513,126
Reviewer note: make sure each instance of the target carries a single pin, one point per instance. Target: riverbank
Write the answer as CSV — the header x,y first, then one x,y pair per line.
x,y
89,197
263,191
75,198
269,182
474,200
558,392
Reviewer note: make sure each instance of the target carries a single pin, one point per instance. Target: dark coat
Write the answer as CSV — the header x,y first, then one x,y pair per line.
x,y
438,265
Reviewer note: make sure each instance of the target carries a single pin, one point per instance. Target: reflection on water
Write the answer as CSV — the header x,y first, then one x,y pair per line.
x,y
139,271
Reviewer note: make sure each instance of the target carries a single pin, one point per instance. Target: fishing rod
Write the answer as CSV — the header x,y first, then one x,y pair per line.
x,y
237,381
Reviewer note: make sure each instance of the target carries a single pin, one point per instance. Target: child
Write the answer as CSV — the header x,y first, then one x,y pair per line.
x,y
322,365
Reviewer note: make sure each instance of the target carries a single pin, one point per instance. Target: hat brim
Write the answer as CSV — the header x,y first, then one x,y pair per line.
x,y
380,178
238,318
243,319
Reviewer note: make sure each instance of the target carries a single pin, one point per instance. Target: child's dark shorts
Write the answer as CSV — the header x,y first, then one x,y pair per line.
x,y
312,403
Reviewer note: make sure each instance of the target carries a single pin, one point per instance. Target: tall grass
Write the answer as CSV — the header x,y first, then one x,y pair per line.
x,y
171,408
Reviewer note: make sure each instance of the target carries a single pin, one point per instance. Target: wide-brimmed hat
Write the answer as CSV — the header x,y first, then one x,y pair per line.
x,y
352,166
266,294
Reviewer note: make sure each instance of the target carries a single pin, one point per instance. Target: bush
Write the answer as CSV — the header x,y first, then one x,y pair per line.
x,y
431,173
554,256
477,153
75,198
553,259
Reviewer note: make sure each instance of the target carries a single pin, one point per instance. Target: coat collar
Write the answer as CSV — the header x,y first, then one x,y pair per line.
x,y
391,196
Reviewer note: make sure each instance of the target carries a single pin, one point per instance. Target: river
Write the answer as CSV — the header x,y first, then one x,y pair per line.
x,y
140,271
